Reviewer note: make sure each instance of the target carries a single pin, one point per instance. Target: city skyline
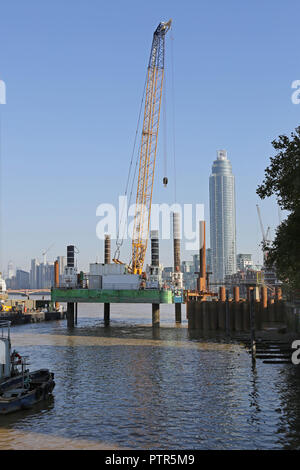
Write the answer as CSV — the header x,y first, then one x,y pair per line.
x,y
41,275
149,228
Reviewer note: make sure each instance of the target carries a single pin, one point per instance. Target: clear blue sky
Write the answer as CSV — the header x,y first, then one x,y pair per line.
x,y
75,71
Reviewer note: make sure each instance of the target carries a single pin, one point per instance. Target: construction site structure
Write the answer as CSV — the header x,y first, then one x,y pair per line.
x,y
69,278
154,271
203,285
265,235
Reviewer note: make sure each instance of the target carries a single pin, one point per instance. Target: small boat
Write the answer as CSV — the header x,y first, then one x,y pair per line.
x,y
19,388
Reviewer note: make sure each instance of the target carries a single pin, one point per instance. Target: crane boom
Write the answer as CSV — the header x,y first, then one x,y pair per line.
x,y
261,224
153,94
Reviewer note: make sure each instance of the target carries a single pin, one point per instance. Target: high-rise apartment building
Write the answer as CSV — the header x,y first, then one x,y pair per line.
x,y
33,273
10,270
222,218
22,279
45,276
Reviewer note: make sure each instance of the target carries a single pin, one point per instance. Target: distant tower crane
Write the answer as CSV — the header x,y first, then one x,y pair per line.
x,y
265,235
45,252
148,147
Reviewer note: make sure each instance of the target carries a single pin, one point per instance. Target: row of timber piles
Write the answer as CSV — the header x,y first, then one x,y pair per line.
x,y
107,257
233,314
71,306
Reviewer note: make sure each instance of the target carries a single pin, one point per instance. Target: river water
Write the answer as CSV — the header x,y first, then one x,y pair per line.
x,y
127,386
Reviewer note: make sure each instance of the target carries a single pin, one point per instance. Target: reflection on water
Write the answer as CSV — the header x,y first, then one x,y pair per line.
x,y
126,386
16,440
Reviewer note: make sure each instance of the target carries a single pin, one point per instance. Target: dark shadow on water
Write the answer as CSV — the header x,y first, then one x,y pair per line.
x,y
12,419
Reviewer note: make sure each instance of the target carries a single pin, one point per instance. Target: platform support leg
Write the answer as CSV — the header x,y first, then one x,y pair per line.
x,y
155,315
178,313
70,314
106,314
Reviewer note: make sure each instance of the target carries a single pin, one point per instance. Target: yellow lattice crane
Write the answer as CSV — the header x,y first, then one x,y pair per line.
x,y
148,147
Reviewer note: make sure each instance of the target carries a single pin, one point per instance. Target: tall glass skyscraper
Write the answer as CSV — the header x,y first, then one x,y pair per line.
x,y
222,218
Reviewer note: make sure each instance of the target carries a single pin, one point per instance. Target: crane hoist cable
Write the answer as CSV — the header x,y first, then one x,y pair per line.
x,y
173,113
120,237
165,179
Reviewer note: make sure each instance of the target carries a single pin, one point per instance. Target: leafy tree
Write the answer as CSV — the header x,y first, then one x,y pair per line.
x,y
282,179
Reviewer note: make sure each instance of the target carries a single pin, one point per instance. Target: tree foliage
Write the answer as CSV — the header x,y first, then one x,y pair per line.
x,y
282,179
284,252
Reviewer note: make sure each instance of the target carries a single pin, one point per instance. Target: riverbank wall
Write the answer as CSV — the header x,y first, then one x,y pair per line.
x,y
230,315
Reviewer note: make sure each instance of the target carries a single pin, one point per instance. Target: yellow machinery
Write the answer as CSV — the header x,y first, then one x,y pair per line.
x,y
5,308
148,147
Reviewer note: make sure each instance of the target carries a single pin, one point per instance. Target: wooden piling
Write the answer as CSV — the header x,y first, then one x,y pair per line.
x,y
245,316
231,315
227,314
205,316
278,293
278,305
236,294
190,309
264,297
237,314
213,314
198,316
155,315
56,280
264,304
271,310
257,315
222,294
221,315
